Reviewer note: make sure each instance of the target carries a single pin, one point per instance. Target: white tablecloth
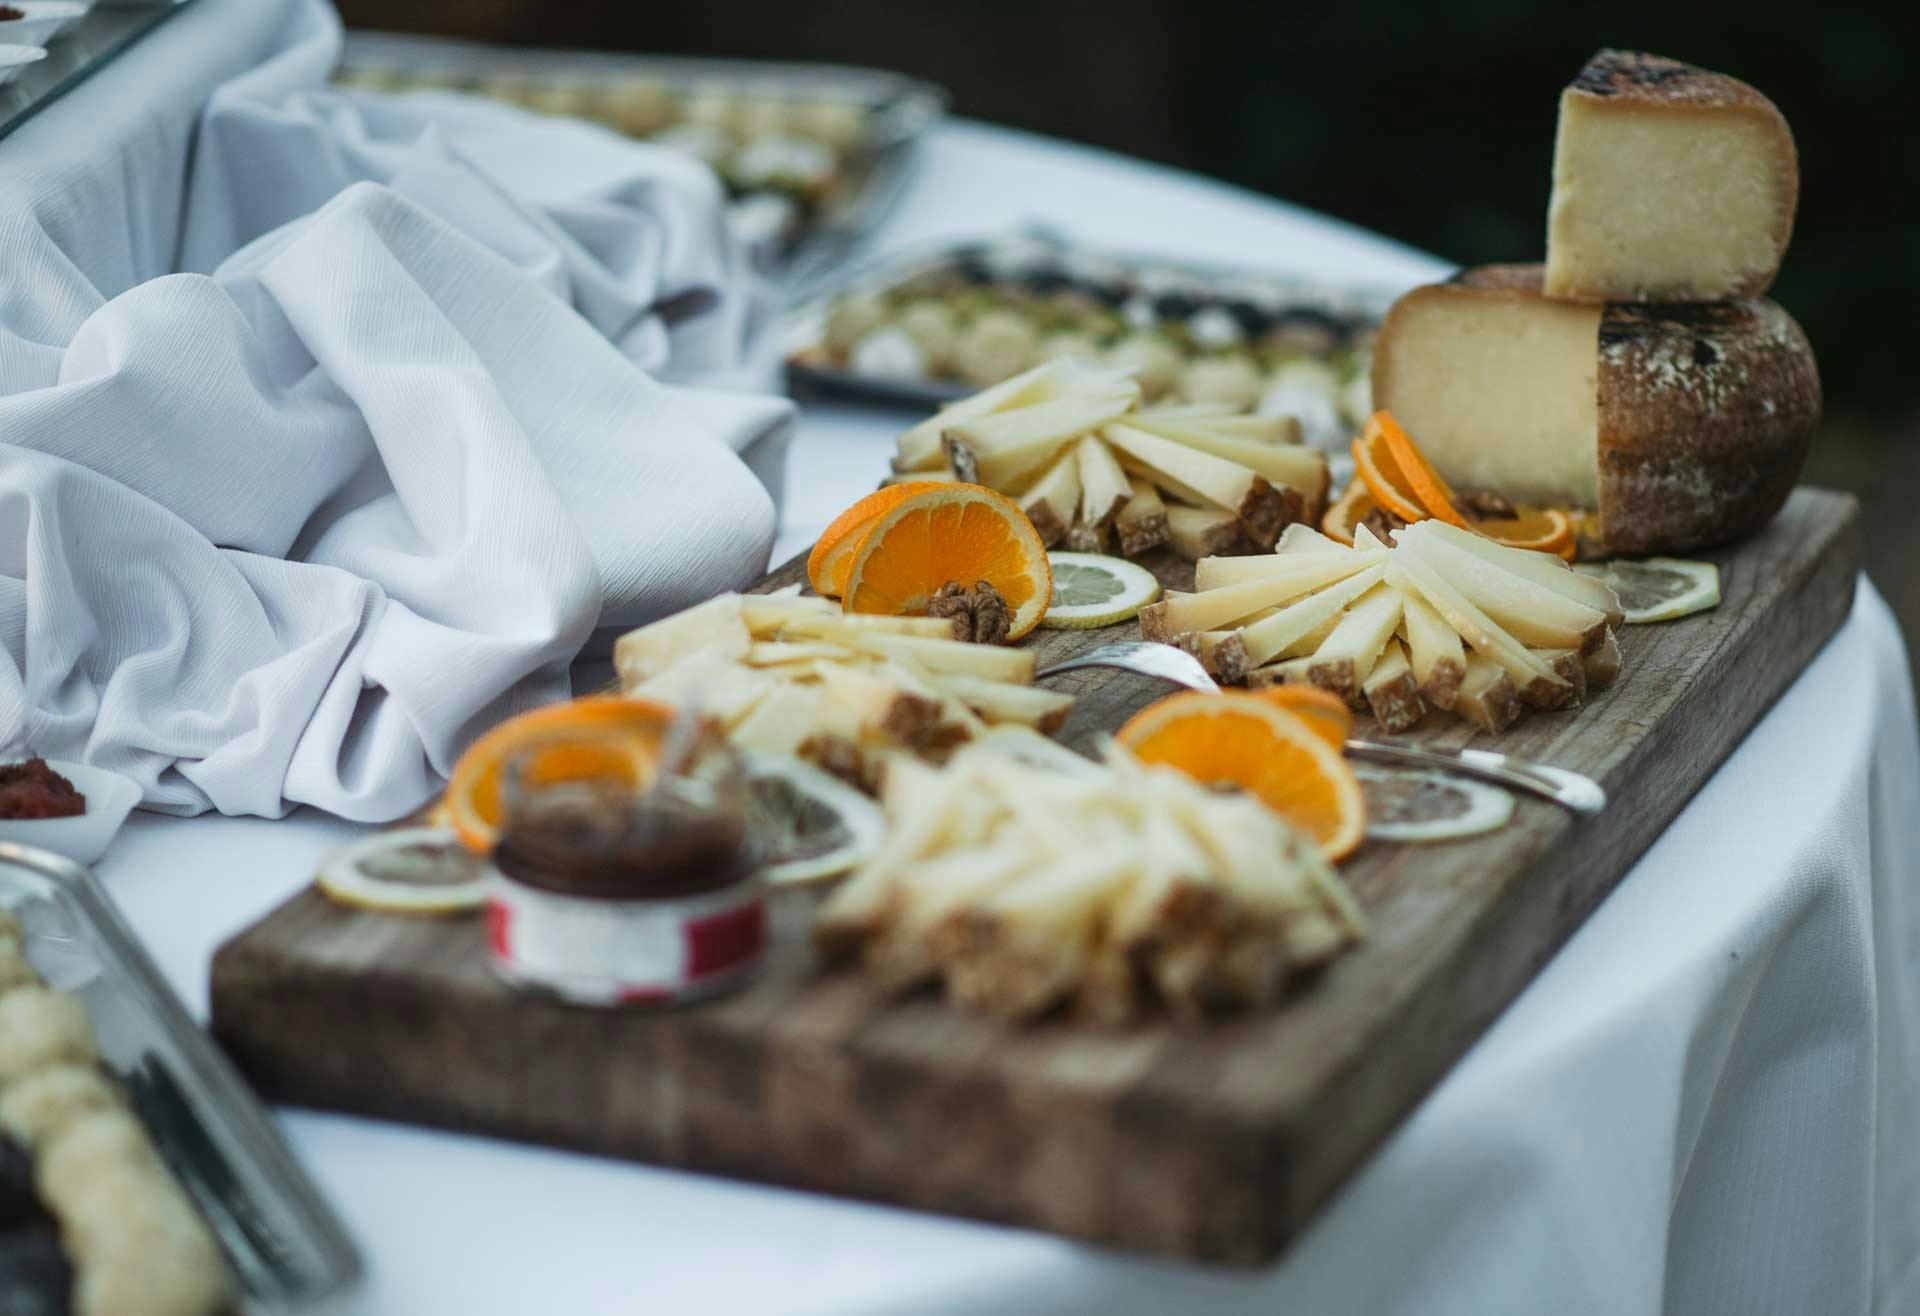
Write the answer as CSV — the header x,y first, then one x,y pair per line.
x,y
330,432
1706,1103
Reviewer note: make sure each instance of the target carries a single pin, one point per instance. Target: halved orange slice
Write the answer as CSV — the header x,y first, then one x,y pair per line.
x,y
1251,742
950,534
1323,710
601,736
1382,479
1348,511
1546,530
1431,495
832,554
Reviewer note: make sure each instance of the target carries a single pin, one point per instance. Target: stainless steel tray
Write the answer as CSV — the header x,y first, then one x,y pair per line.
x,y
288,1251
1356,307
78,53
899,110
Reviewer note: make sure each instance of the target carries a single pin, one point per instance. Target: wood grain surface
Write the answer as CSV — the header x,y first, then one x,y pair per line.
x,y
1212,1142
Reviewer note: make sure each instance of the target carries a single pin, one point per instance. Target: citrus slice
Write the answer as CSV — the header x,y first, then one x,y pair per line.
x,y
414,870
1660,588
832,555
1548,530
950,534
1323,710
1091,589
1348,511
1431,495
809,823
1247,741
606,735
1383,481
1412,804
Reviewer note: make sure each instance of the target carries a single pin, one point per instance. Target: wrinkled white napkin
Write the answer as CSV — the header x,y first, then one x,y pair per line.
x,y
293,528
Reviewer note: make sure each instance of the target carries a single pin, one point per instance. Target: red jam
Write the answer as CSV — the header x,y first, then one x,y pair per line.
x,y
33,790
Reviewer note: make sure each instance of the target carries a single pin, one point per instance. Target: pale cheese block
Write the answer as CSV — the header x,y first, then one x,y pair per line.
x,y
1670,183
1678,426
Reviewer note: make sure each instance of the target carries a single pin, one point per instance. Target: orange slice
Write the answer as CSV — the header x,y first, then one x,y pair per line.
x,y
1323,710
832,555
1382,480
1547,530
1250,741
1348,511
1431,495
946,533
603,736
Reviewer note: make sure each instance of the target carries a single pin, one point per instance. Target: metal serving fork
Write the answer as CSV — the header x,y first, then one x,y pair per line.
x,y
1570,790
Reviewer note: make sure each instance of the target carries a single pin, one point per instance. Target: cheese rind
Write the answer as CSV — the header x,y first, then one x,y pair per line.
x,y
1681,425
1670,183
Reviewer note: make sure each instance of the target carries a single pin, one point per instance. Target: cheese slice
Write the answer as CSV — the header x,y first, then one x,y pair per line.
x,y
1670,183
1680,425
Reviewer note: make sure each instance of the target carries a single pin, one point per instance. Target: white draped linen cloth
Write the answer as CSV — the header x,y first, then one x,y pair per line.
x,y
331,426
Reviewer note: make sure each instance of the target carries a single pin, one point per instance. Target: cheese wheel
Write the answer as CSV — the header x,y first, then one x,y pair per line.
x,y
1670,183
1680,425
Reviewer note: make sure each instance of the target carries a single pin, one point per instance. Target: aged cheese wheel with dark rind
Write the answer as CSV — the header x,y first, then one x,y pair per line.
x,y
1670,183
1707,411
1702,412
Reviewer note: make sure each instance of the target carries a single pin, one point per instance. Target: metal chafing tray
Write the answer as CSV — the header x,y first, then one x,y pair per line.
x,y
77,53
1138,291
894,113
287,1250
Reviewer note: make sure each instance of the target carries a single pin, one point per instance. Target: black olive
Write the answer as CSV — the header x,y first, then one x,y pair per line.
x,y
1175,305
969,264
18,1201
1045,280
36,1279
1254,320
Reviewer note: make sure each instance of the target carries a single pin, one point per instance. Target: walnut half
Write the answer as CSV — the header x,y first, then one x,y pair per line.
x,y
978,614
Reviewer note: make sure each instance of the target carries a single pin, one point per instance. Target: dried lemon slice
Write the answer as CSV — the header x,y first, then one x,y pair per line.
x,y
416,870
1660,588
1412,804
810,824
1091,590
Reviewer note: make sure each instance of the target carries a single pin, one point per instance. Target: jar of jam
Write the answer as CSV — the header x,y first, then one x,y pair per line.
x,y
606,892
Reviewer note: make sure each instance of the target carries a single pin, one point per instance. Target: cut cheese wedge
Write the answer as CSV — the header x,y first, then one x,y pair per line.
x,y
1670,184
1308,570
919,447
1265,640
1533,614
1679,426
1530,674
1286,579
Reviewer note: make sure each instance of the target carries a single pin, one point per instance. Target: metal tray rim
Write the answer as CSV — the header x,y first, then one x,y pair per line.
x,y
241,1111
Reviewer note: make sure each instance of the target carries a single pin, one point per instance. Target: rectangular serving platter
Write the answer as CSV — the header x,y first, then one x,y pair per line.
x,y
287,1250
899,110
1214,1143
78,53
1129,282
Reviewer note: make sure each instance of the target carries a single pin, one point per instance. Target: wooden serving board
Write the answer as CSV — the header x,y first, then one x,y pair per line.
x,y
1212,1142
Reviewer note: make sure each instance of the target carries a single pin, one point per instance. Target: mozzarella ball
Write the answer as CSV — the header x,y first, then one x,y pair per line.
x,y
997,346
41,1027
37,1107
1153,361
888,353
1233,380
933,326
90,1149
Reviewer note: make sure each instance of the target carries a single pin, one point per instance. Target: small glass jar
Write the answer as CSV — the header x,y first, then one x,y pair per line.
x,y
611,886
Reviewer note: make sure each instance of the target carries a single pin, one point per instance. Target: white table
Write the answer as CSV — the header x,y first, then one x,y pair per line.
x,y
1704,1103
